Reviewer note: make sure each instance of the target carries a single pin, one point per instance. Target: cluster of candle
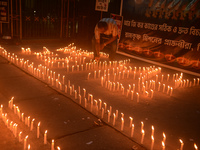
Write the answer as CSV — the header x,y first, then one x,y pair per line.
x,y
28,122
147,79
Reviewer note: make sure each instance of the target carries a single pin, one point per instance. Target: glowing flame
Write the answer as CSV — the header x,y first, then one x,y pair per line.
x,y
195,146
180,141
163,144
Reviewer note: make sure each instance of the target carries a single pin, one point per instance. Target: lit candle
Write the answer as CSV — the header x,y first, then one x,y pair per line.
x,y
152,130
132,130
20,136
58,148
89,76
25,142
162,78
131,94
152,142
22,117
105,106
137,97
85,103
28,121
102,113
181,148
168,77
164,137
195,146
38,130
163,145
52,145
45,137
142,139
151,93
142,126
122,123
171,91
131,121
163,88
32,124
108,116
114,118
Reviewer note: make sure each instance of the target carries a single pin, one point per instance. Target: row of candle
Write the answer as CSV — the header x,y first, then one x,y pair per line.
x,y
29,123
115,116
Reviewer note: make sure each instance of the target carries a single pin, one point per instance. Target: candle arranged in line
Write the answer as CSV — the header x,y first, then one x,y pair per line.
x,y
38,130
45,137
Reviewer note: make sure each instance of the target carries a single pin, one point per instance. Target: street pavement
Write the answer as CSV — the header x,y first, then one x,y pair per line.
x,y
177,115
71,126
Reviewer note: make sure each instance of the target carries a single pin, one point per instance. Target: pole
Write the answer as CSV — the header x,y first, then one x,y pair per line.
x,y
67,29
1,27
11,15
61,20
20,11
101,15
121,7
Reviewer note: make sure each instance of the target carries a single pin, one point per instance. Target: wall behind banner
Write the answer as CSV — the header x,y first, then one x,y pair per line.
x,y
163,30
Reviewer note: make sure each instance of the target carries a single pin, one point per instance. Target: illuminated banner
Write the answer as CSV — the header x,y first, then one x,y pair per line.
x,y
167,31
4,11
101,5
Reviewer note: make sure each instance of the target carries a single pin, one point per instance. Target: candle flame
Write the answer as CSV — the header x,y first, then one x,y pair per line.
x,y
46,132
131,118
195,146
20,132
180,141
152,127
29,146
58,148
26,137
164,135
38,124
